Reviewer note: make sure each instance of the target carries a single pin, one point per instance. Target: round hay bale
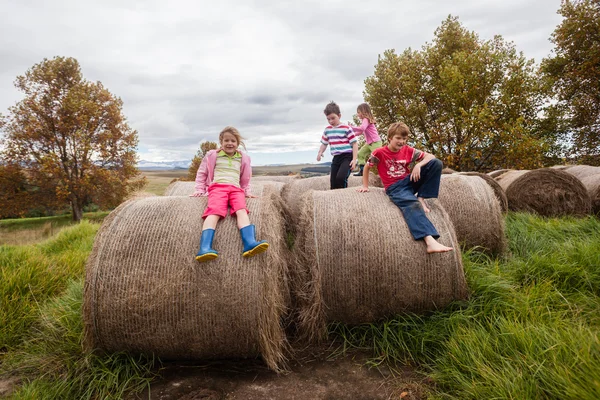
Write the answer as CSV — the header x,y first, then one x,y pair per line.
x,y
474,211
186,188
546,191
583,171
561,167
498,191
498,172
359,262
275,178
592,184
146,293
447,171
374,181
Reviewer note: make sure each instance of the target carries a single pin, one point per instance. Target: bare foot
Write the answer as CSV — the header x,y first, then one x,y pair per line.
x,y
425,208
433,246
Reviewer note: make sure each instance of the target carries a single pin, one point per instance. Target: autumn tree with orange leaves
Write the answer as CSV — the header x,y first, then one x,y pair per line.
x,y
205,147
71,132
472,103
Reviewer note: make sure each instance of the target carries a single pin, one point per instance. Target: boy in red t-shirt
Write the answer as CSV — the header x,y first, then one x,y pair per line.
x,y
400,184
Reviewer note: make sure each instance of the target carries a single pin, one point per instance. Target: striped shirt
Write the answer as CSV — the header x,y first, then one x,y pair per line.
x,y
227,169
339,139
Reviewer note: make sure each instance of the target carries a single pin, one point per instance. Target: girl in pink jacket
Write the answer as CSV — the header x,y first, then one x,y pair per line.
x,y
224,176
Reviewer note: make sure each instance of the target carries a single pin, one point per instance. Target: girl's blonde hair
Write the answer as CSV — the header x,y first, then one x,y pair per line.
x,y
365,109
235,133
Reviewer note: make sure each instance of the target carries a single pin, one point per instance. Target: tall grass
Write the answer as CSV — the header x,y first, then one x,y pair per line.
x,y
32,274
529,331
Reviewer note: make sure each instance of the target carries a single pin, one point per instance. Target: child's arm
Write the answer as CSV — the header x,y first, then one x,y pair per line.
x,y
321,150
354,155
415,175
200,187
365,183
245,175
360,130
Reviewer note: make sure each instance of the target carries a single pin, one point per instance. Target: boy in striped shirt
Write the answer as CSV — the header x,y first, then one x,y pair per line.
x,y
342,144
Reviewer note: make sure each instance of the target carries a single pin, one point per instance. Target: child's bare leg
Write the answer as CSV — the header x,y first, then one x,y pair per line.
x,y
242,218
210,222
433,246
425,208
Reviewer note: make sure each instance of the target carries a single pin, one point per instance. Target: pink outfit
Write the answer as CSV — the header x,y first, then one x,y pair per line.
x,y
206,173
369,130
222,195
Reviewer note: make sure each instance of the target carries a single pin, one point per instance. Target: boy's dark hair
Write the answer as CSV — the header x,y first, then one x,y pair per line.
x,y
398,128
332,108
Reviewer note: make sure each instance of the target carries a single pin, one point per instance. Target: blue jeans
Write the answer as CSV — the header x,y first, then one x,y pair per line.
x,y
402,194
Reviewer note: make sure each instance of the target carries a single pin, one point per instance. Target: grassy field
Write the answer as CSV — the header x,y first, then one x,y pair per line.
x,y
529,331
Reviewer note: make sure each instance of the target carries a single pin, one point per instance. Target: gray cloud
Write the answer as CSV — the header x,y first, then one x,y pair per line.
x,y
186,69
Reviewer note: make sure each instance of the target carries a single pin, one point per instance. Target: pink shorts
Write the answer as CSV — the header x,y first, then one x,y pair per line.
x,y
220,196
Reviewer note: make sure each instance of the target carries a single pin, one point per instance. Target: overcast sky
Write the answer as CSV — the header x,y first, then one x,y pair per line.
x,y
186,69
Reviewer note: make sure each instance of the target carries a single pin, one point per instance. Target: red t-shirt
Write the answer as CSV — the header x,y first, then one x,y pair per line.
x,y
392,166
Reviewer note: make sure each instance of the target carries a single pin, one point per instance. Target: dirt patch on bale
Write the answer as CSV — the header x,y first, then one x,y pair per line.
x,y
146,293
358,262
546,191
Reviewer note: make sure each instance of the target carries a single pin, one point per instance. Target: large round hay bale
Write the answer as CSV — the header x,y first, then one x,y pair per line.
x,y
592,184
146,293
498,172
583,171
475,212
546,191
498,191
358,261
447,171
275,178
186,188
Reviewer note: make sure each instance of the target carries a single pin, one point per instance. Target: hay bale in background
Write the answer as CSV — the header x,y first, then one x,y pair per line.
x,y
186,188
145,292
546,191
359,262
498,191
447,171
498,172
582,171
474,211
275,178
592,184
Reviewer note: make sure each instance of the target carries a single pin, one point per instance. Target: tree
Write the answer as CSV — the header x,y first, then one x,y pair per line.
x,y
472,103
205,147
575,74
71,132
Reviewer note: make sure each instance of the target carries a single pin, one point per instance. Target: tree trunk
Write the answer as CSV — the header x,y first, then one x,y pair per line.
x,y
77,209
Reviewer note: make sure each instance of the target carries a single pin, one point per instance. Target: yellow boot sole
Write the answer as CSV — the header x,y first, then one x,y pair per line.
x,y
258,249
206,257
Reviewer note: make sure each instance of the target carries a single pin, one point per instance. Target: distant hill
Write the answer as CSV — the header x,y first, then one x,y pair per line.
x,y
163,165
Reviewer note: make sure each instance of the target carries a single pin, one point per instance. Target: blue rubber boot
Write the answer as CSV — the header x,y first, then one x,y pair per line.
x,y
206,252
251,246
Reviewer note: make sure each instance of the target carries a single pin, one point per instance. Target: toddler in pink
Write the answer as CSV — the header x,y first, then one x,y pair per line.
x,y
224,176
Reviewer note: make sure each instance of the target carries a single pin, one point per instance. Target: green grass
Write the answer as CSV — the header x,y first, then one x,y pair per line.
x,y
529,331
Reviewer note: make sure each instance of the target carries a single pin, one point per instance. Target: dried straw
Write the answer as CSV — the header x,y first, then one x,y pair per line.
x,y
358,262
498,191
447,171
275,178
475,212
592,184
583,171
546,191
145,292
498,172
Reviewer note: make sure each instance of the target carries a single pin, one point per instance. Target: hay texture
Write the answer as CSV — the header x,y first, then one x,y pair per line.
x,y
498,191
498,172
582,171
474,211
447,171
145,292
546,191
358,261
592,184
275,178
186,188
